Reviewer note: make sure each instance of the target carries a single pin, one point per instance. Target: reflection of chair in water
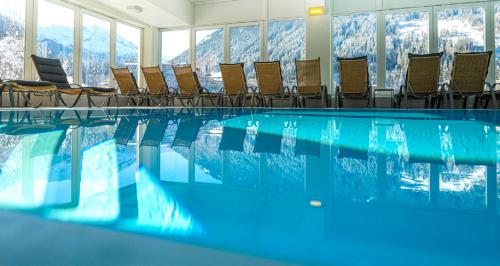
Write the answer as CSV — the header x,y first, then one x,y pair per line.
x,y
424,142
309,137
269,136
126,130
187,132
155,131
233,138
354,140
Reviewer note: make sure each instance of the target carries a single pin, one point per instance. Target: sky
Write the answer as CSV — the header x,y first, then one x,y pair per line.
x,y
174,43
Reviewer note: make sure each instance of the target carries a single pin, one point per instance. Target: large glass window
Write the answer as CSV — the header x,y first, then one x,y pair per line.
x,y
128,44
354,36
404,33
12,27
245,48
209,54
286,42
56,34
460,30
95,51
174,51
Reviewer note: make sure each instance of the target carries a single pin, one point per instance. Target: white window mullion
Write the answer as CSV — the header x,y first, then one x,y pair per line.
x,y
77,51
380,50
30,38
490,39
264,43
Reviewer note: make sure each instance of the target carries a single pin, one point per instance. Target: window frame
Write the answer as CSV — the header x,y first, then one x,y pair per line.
x,y
112,39
432,43
31,38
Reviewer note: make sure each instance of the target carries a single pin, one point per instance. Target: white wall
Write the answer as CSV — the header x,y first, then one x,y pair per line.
x,y
247,11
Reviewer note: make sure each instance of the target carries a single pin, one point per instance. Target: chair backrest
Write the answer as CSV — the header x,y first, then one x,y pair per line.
x,y
354,75
423,73
187,80
470,71
308,76
155,80
233,76
51,70
269,77
126,81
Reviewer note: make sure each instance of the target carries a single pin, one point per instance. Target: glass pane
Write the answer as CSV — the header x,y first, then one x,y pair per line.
x,y
245,48
95,52
128,44
460,30
12,39
56,34
354,36
404,33
174,51
286,42
209,54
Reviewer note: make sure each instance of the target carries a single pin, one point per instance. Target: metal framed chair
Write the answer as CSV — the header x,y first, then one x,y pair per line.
x,y
157,87
354,80
309,83
25,89
270,83
51,70
422,80
468,79
190,88
128,86
235,88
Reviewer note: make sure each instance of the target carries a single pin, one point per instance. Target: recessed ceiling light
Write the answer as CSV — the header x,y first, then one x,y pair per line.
x,y
135,9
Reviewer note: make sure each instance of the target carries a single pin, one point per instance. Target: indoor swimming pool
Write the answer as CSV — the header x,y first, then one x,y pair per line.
x,y
307,187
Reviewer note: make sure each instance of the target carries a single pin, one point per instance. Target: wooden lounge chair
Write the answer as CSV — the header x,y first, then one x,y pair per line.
x,y
235,85
157,86
422,80
190,88
270,83
128,86
354,80
26,88
51,70
468,78
309,82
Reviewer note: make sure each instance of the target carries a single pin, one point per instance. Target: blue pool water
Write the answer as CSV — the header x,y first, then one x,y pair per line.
x,y
309,187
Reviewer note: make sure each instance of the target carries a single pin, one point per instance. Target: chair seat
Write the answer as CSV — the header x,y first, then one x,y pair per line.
x,y
33,83
101,90
71,91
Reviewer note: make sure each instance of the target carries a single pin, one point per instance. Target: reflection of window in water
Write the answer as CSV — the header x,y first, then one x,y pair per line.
x,y
408,182
243,166
208,158
355,168
463,187
286,172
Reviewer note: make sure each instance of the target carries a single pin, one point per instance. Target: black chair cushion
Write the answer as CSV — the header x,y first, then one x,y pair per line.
x,y
51,70
33,83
